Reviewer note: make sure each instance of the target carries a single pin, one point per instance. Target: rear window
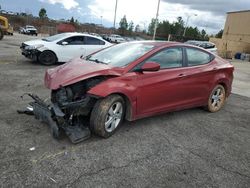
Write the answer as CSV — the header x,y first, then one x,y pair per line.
x,y
197,57
93,41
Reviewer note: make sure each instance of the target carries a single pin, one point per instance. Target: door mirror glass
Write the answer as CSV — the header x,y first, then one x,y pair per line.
x,y
150,66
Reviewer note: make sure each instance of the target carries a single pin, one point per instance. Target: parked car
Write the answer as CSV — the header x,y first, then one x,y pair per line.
x,y
21,30
116,39
30,30
95,34
62,47
131,81
204,44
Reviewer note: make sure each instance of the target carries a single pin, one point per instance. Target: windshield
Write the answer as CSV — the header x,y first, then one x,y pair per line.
x,y
55,37
120,55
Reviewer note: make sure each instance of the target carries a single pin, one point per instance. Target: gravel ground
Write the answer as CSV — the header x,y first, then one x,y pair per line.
x,y
190,148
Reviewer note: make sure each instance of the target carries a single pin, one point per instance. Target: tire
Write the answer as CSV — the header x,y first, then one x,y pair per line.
x,y
47,58
1,34
104,121
216,99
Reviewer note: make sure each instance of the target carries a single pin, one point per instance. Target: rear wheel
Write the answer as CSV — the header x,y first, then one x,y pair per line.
x,y
47,58
216,99
107,115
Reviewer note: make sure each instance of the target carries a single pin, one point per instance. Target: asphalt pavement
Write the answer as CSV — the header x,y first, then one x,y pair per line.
x,y
190,148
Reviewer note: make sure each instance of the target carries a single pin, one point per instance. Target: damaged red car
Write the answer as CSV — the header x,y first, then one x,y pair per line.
x,y
94,94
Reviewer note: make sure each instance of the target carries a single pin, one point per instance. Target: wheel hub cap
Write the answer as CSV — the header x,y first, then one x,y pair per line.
x,y
113,117
217,98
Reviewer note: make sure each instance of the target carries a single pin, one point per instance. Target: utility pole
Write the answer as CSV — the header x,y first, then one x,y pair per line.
x,y
156,19
115,13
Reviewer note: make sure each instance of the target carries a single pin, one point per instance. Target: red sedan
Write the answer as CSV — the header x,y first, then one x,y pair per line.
x,y
131,81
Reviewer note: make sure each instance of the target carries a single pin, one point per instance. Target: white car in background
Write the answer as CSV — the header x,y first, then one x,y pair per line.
x,y
62,47
30,30
204,44
116,39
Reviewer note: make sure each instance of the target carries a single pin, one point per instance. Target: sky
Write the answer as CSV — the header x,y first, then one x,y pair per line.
x,y
205,14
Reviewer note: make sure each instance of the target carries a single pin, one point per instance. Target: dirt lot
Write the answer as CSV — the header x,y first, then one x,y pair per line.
x,y
191,148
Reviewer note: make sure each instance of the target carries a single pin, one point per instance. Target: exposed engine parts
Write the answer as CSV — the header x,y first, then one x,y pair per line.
x,y
69,108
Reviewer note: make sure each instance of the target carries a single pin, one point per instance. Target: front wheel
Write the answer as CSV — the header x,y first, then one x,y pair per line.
x,y
107,115
1,34
216,99
47,58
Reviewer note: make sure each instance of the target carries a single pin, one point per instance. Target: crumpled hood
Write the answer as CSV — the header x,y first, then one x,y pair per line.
x,y
75,71
35,42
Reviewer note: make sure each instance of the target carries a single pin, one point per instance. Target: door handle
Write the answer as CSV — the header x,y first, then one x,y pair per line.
x,y
181,75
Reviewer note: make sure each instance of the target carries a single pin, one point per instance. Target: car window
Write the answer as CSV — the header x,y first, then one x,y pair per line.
x,y
55,37
168,58
76,40
121,55
93,41
197,57
203,45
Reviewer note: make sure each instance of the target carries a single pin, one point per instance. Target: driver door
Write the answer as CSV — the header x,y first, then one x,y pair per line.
x,y
163,89
74,48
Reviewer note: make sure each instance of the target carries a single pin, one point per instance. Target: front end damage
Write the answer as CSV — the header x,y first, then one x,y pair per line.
x,y
68,111
29,52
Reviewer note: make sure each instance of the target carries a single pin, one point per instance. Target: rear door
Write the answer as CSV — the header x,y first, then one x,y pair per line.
x,y
93,44
199,75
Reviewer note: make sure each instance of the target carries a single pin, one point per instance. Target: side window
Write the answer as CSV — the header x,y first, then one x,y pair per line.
x,y
197,57
76,40
168,58
93,41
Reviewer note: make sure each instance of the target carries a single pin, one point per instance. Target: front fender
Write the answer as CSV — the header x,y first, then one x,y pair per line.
x,y
124,88
43,49
110,87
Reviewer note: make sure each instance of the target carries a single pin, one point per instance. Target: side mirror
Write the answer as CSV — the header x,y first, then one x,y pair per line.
x,y
150,66
65,43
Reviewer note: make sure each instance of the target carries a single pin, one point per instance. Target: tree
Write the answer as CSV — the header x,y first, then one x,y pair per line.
x,y
42,13
123,25
151,26
180,21
164,28
178,27
219,34
130,27
72,20
137,28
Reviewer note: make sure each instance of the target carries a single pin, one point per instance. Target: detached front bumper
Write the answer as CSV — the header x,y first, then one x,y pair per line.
x,y
58,121
31,54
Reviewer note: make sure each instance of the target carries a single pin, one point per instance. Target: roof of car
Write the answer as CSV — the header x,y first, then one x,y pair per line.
x,y
76,33
156,43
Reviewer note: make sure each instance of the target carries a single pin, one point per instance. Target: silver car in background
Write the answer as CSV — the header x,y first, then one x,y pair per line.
x,y
204,44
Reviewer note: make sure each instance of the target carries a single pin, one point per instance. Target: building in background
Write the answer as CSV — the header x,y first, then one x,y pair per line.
x,y
236,35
